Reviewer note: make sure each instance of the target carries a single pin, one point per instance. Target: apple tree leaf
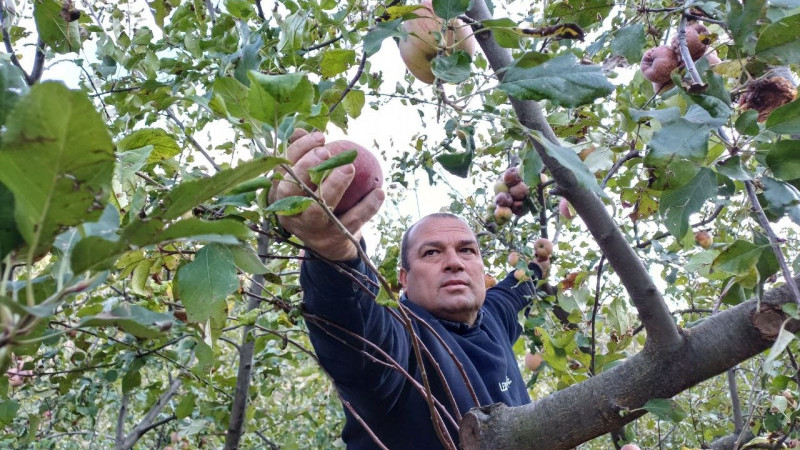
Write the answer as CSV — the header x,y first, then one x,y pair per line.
x,y
665,409
335,61
562,80
677,205
786,119
58,161
449,9
779,43
136,320
205,283
10,238
12,87
164,145
454,68
273,97
784,160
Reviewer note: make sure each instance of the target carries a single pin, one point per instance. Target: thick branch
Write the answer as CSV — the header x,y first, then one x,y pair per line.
x,y
239,405
653,311
615,397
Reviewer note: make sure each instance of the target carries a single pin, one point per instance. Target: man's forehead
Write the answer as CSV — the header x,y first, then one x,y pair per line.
x,y
451,226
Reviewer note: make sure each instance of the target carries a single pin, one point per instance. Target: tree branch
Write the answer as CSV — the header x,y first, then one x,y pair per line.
x,y
615,397
149,420
653,311
239,405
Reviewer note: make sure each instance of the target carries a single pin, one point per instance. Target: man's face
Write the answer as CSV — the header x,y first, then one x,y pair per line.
x,y
445,274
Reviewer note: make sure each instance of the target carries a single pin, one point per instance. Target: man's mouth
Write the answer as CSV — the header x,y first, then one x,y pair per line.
x,y
454,283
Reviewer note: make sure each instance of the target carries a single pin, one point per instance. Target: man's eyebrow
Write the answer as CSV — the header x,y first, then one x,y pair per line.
x,y
440,244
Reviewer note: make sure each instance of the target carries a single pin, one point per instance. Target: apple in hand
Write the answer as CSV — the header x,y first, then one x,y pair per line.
x,y
368,174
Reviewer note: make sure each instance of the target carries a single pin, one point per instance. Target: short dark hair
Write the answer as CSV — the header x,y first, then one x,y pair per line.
x,y
404,242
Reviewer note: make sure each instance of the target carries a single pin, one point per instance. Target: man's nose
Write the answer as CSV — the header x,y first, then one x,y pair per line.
x,y
452,260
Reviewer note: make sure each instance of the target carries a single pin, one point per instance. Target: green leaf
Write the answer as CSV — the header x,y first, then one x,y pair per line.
x,y
203,230
747,123
571,161
164,145
132,378
189,194
665,409
449,9
272,97
12,88
783,340
234,94
335,61
205,283
680,138
10,239
289,206
733,169
354,102
583,12
247,260
241,9
742,19
786,119
186,406
319,172
454,68
738,258
779,43
62,36
629,42
781,198
456,163
676,206
58,160
8,411
784,160
562,80
136,320
374,39
505,31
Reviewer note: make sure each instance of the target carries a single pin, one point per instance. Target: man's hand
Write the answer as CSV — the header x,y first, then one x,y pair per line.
x,y
313,226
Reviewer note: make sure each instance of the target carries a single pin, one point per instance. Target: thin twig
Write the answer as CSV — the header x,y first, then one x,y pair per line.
x,y
352,83
192,141
595,308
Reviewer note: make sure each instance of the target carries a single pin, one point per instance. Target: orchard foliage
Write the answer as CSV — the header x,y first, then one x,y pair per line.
x,y
148,296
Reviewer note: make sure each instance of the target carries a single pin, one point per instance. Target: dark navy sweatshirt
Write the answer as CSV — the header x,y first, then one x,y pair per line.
x,y
394,409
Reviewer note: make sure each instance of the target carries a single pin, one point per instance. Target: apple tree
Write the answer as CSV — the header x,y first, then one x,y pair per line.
x,y
149,297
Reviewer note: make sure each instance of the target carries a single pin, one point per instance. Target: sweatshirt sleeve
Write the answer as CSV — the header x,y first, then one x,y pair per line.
x,y
509,297
349,318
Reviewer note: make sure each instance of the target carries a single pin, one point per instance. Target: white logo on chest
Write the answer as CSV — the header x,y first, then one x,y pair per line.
x,y
504,385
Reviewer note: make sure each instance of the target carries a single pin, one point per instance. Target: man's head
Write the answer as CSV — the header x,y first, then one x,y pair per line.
x,y
442,268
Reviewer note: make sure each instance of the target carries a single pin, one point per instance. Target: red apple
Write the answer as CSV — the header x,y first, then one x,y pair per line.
x,y
513,259
521,275
630,447
503,199
502,214
543,248
565,209
657,64
519,191
533,361
368,174
511,177
703,239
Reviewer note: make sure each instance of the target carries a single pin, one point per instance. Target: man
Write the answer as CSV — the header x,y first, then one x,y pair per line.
x,y
462,329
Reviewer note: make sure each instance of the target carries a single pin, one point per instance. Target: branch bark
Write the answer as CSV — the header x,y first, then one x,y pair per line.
x,y
149,420
615,397
653,311
239,405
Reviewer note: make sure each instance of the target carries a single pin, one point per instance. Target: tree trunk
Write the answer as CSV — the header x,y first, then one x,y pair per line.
x,y
613,398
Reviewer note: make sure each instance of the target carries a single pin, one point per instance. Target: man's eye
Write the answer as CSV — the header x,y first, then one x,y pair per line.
x,y
430,252
469,250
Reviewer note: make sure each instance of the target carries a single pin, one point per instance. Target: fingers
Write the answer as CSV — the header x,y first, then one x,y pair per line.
x,y
297,134
303,144
357,216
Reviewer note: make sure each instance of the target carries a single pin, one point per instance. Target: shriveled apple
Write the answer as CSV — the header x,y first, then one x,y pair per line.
x,y
657,64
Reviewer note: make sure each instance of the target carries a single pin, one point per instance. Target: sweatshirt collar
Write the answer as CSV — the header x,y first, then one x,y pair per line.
x,y
456,327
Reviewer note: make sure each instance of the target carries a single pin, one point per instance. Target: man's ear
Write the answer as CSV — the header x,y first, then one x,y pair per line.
x,y
402,277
